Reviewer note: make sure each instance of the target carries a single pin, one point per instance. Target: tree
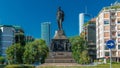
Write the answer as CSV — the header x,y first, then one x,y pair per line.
x,y
35,51
84,57
79,49
15,53
20,38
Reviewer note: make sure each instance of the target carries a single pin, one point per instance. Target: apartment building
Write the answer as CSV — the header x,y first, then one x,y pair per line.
x,y
108,27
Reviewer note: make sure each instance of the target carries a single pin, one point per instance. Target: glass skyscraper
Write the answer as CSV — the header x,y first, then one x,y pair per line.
x,y
45,32
83,18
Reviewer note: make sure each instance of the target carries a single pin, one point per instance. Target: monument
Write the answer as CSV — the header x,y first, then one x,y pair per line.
x,y
60,49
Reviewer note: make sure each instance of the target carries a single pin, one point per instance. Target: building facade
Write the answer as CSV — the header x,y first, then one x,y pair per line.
x,y
45,32
90,37
83,18
108,27
7,37
29,39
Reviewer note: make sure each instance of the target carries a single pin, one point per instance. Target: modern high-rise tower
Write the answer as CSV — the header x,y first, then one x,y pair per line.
x,y
83,18
45,32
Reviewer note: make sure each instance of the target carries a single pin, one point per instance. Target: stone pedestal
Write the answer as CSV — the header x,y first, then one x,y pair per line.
x,y
60,42
60,57
60,49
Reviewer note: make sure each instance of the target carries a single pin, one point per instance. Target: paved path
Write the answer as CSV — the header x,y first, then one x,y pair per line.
x,y
60,64
63,64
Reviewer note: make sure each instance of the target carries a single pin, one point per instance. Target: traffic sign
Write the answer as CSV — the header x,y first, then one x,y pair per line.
x,y
110,44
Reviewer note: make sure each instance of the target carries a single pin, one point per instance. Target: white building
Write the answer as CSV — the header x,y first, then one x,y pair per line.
x,y
108,27
83,18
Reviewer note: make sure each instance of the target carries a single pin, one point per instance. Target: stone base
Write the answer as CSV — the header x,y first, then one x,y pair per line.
x,y
60,57
59,34
59,45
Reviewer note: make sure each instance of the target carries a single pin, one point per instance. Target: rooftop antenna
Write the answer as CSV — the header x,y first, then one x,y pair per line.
x,y
85,9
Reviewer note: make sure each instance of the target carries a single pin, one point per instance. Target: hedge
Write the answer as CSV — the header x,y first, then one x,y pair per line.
x,y
20,66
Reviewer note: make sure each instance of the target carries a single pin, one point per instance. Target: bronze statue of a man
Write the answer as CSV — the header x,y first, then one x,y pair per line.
x,y
60,18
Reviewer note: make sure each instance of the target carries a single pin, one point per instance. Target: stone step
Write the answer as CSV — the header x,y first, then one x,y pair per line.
x,y
59,64
60,57
59,61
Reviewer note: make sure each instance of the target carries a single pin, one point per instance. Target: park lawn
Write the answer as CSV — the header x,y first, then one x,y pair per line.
x,y
98,66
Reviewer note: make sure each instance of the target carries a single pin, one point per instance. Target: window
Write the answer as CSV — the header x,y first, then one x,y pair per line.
x,y
106,22
118,14
118,53
106,39
106,34
118,40
118,20
118,33
106,53
113,20
106,48
106,28
113,53
106,15
113,33
118,46
118,27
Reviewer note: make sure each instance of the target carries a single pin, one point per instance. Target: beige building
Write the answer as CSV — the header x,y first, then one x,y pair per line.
x,y
108,27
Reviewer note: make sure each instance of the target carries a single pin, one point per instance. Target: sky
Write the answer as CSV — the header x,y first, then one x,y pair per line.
x,y
29,14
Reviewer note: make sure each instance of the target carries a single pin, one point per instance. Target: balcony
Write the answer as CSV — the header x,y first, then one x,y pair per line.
x,y
113,55
113,17
92,49
92,53
114,50
113,37
113,29
113,23
92,44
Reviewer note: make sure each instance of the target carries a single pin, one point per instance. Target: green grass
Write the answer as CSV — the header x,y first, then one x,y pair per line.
x,y
99,66
19,66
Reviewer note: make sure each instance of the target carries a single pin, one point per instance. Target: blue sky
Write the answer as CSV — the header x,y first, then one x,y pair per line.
x,y
29,14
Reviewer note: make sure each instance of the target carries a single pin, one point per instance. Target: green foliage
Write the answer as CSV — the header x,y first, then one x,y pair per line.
x,y
2,60
20,66
84,58
79,50
2,66
115,7
35,51
112,7
15,53
20,38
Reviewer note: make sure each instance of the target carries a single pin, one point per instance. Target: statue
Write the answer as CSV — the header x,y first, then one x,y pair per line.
x,y
60,18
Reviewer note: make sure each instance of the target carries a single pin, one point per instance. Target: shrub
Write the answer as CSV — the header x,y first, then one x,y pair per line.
x,y
2,66
2,60
20,66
